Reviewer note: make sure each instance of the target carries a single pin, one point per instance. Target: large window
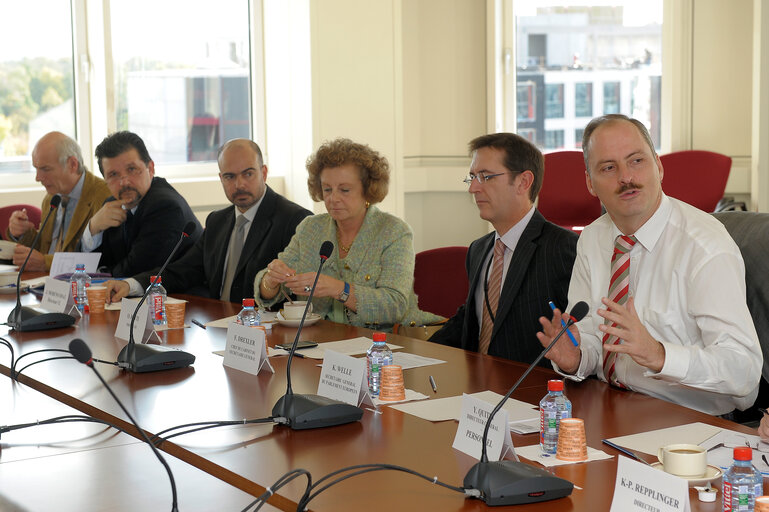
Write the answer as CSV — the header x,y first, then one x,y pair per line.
x,y
36,80
177,72
587,58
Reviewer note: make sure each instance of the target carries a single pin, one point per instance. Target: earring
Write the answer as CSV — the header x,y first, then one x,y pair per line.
x,y
367,204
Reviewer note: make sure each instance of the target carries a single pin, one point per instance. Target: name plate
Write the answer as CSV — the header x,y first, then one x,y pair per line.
x,y
472,421
343,378
144,329
57,297
640,487
246,349
64,262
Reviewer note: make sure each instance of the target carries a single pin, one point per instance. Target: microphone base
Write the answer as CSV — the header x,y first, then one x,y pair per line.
x,y
304,412
142,358
507,482
30,319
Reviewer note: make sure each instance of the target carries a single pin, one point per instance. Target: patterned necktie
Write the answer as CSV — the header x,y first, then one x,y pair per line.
x,y
233,255
619,287
493,288
62,233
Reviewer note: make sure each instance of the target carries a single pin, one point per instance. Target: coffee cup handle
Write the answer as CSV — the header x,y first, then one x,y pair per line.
x,y
660,456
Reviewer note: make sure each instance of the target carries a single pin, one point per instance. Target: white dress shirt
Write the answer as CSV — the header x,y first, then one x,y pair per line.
x,y
510,239
687,278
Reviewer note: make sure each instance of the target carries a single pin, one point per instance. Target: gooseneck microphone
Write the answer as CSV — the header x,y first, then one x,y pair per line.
x,y
302,412
151,358
507,482
82,353
31,319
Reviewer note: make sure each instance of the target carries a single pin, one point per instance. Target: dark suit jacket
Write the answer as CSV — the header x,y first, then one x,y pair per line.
x,y
146,240
539,271
201,269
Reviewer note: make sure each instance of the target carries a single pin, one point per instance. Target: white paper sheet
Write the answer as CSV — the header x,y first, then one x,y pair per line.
x,y
534,453
443,409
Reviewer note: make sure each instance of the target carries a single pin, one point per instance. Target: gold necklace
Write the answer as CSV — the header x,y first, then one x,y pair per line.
x,y
344,248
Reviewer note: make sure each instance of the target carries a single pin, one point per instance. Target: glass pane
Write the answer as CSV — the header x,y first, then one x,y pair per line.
x,y
182,86
586,58
36,80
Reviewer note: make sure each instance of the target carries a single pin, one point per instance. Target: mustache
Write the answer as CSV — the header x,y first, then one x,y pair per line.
x,y
126,189
629,186
242,193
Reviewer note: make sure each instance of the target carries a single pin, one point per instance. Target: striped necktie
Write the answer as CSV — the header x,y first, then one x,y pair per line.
x,y
619,287
493,288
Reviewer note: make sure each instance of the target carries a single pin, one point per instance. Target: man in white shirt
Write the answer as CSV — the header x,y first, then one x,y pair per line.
x,y
678,327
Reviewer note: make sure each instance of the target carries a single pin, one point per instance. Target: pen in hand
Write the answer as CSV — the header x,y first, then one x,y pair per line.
x,y
563,324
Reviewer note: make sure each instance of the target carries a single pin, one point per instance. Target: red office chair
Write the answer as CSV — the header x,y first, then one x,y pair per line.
x,y
564,198
697,177
440,280
33,212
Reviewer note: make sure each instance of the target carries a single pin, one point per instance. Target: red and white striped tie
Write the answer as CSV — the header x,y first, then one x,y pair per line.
x,y
619,286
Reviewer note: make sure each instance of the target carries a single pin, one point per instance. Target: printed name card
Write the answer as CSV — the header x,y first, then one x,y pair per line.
x,y
472,421
144,329
64,262
57,297
343,378
246,349
641,487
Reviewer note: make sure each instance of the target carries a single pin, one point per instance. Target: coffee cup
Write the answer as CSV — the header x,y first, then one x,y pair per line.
x,y
294,311
684,460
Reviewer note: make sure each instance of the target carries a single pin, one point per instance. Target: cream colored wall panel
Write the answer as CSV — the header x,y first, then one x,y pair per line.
x,y
722,76
444,46
440,219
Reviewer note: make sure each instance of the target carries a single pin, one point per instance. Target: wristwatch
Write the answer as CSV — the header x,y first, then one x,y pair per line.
x,y
345,293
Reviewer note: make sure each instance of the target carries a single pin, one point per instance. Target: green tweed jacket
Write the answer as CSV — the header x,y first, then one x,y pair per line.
x,y
380,266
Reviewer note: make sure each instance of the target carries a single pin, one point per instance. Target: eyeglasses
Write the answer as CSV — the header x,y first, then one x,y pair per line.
x,y
481,177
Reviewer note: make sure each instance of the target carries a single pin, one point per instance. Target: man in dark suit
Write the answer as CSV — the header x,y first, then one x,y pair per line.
x,y
516,270
212,267
140,224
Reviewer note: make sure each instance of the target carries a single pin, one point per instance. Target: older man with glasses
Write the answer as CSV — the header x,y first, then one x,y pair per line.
x,y
239,240
518,269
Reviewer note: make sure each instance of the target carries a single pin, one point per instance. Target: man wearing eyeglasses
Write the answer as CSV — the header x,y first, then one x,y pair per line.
x,y
140,224
238,240
516,270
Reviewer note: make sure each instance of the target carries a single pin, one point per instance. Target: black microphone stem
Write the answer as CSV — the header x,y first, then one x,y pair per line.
x,y
17,310
290,391
144,297
174,505
484,457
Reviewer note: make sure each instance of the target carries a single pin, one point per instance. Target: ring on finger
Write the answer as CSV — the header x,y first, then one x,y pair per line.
x,y
307,288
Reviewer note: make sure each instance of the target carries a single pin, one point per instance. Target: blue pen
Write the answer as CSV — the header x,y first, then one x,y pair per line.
x,y
571,336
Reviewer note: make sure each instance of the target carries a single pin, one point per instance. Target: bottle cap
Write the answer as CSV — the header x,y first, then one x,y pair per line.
x,y
379,336
248,303
80,266
555,385
743,453
156,279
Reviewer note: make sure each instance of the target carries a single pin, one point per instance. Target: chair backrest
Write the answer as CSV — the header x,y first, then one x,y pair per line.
x,y
750,230
33,212
564,198
440,280
696,177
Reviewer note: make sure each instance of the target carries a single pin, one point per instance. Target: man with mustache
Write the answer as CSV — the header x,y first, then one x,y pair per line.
x,y
665,284
140,224
263,219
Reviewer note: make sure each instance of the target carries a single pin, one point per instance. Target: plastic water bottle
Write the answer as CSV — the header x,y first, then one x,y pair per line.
x,y
157,299
79,281
249,315
553,407
377,356
742,483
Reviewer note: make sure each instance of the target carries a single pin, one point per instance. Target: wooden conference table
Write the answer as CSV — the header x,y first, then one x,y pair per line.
x,y
252,458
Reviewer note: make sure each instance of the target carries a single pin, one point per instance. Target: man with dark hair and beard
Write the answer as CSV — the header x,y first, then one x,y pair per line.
x,y
136,229
218,265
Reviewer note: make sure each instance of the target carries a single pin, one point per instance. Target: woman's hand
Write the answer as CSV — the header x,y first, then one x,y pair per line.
x,y
301,284
277,273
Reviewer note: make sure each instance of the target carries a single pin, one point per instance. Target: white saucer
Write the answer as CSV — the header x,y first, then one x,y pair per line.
x,y
311,319
711,473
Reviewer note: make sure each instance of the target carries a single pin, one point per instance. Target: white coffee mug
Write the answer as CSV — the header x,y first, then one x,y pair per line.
x,y
684,460
294,311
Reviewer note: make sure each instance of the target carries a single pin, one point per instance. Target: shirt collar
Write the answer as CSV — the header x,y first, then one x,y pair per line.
x,y
651,231
510,239
77,190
